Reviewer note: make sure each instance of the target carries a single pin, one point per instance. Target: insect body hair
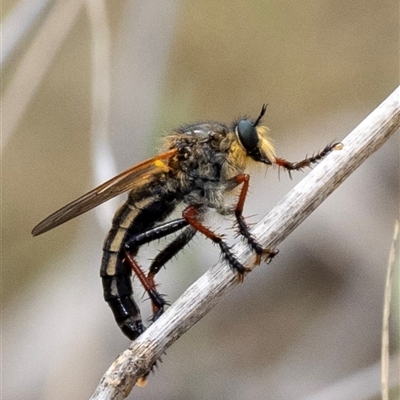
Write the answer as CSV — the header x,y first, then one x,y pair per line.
x,y
265,142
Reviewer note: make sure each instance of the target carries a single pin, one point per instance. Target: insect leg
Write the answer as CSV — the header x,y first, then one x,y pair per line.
x,y
171,250
156,299
191,214
158,232
289,166
164,256
243,228
148,236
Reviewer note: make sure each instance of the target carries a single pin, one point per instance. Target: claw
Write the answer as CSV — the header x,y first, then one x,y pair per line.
x,y
270,254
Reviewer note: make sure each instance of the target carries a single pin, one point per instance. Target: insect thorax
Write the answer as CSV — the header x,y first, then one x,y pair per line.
x,y
208,157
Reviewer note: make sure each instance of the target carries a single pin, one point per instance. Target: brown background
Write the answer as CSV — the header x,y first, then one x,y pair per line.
x,y
296,328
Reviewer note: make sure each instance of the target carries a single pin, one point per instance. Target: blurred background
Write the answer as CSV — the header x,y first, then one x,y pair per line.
x,y
90,87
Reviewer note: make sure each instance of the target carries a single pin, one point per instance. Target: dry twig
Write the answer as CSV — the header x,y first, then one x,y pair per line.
x,y
216,283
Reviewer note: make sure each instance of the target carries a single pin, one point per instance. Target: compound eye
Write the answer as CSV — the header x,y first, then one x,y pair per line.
x,y
247,135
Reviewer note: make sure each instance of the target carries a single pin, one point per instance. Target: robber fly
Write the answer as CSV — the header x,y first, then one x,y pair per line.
x,y
199,165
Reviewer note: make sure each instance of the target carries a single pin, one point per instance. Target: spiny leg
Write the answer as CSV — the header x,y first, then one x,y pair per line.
x,y
161,259
243,228
155,233
191,215
171,250
157,300
148,236
244,180
165,255
296,166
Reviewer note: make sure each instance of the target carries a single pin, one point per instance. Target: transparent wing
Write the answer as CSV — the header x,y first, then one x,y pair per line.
x,y
127,180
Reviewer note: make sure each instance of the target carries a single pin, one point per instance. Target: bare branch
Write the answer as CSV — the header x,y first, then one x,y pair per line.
x,y
216,283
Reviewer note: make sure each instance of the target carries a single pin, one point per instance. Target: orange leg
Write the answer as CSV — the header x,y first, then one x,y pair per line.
x,y
296,166
191,215
157,300
244,179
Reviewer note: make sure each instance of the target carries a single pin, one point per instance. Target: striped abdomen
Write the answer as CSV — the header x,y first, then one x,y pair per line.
x,y
132,218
